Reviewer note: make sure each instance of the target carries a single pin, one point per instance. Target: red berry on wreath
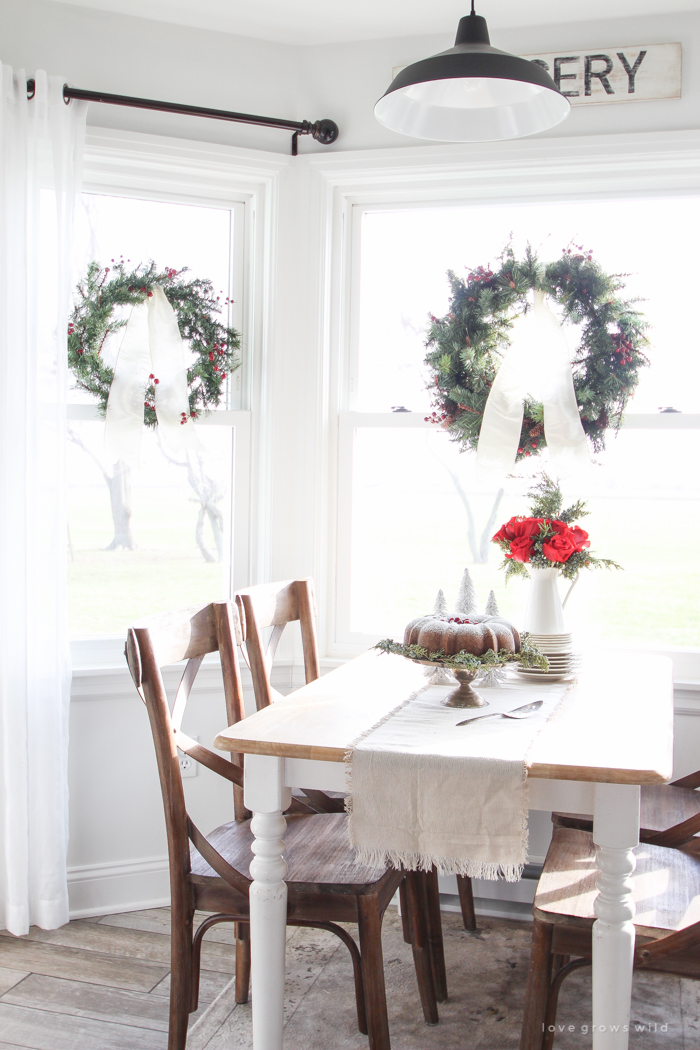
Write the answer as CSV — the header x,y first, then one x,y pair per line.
x,y
534,444
211,356
151,376
156,380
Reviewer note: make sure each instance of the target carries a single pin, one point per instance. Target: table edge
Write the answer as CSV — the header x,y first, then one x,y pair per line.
x,y
538,771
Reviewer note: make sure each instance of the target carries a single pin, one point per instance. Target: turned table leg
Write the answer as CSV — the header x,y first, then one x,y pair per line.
x,y
615,833
267,797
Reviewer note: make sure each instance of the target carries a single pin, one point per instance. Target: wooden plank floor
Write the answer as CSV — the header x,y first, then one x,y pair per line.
x,y
100,984
103,984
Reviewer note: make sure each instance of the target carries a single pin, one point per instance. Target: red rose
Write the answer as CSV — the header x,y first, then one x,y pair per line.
x,y
516,528
560,546
576,536
503,533
580,537
521,535
520,549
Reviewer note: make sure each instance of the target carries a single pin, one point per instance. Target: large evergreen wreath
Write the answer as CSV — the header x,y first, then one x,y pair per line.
x,y
465,348
96,316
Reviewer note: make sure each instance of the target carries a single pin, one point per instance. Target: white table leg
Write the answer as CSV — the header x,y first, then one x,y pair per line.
x,y
615,833
266,795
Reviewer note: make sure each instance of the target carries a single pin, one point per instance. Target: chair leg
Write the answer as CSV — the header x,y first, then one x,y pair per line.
x,y
349,942
538,981
181,932
560,975
242,961
466,900
370,930
416,897
405,917
437,948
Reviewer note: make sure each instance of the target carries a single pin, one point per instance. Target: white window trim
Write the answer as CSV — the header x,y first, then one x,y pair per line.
x,y
247,181
596,167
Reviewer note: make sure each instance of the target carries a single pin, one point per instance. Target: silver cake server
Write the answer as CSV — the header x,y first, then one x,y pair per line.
x,y
517,712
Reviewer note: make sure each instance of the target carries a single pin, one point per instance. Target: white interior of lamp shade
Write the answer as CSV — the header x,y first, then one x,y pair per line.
x,y
474,109
472,92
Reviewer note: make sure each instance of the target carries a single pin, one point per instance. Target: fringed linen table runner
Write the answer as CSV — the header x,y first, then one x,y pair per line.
x,y
425,792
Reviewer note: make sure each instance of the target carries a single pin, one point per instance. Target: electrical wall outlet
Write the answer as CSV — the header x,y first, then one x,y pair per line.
x,y
188,766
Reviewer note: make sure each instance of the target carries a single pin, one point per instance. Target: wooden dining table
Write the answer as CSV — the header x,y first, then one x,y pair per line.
x,y
612,732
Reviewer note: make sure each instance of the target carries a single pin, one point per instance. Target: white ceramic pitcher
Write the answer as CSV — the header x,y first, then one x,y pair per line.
x,y
544,613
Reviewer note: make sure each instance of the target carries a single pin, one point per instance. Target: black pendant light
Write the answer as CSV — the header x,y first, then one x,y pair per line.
x,y
472,93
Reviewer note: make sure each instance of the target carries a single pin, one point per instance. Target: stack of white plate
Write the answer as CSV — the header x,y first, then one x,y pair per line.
x,y
563,660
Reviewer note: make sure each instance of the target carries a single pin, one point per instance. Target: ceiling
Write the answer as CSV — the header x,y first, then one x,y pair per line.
x,y
330,21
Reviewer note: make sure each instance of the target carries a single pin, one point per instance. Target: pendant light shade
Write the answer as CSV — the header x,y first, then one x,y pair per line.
x,y
472,93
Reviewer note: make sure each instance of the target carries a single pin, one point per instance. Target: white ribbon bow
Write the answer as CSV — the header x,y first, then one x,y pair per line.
x,y
152,345
537,366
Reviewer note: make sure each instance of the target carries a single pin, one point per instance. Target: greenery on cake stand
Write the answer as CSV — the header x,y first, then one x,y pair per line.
x,y
466,667
529,656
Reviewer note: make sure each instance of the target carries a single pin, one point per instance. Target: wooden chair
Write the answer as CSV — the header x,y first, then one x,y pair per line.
x,y
667,898
669,815
272,606
211,872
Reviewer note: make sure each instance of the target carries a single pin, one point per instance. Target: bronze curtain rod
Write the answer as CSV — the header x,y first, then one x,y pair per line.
x,y
324,131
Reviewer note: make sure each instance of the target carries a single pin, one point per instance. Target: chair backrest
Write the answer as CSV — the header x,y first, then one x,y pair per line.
x,y
187,635
275,605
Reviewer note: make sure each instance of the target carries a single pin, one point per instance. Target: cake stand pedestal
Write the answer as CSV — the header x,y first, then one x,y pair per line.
x,y
464,695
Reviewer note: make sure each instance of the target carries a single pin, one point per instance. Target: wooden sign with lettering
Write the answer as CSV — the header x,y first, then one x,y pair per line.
x,y
616,74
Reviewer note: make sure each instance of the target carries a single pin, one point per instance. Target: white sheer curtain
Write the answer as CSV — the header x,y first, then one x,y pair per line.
x,y
41,146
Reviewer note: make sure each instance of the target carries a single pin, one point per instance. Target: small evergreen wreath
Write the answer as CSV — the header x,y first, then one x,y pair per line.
x,y
195,305
466,346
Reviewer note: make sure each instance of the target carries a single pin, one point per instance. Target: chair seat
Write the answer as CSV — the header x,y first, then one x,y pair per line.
x,y
662,806
666,885
317,851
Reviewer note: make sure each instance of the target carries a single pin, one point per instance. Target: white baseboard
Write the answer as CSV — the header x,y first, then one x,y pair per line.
x,y
490,908
106,889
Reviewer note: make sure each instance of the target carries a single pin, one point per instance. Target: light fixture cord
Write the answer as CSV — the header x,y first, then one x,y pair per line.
x,y
473,11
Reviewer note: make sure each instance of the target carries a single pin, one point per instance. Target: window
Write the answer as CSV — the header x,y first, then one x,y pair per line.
x,y
412,514
160,535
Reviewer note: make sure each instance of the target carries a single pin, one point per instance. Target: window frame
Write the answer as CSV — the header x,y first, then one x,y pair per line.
x,y
636,165
150,167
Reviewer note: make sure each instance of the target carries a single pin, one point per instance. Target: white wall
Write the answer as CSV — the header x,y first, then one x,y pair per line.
x,y
117,855
103,51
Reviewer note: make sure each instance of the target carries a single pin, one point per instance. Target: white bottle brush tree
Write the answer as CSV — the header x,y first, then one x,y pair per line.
x,y
440,607
466,599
